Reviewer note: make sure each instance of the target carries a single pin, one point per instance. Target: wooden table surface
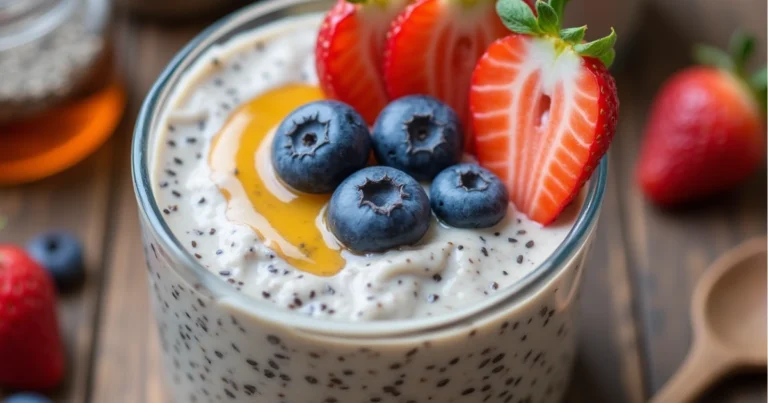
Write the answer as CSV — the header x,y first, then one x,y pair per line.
x,y
635,322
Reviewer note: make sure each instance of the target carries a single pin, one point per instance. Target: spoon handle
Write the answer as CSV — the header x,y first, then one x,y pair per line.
x,y
703,366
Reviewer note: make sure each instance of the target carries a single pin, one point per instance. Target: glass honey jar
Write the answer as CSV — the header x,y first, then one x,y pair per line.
x,y
59,95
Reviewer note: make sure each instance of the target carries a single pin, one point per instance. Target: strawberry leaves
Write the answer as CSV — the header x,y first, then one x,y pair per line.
x,y
519,18
714,57
548,20
759,79
759,83
740,48
559,7
573,35
601,49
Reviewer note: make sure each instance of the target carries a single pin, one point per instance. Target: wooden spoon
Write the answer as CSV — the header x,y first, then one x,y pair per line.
x,y
729,323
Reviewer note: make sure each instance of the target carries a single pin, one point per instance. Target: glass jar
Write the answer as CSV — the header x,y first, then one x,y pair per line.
x,y
518,345
59,99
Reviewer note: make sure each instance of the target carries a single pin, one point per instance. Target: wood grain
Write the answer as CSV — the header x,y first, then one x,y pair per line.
x,y
76,200
608,367
669,250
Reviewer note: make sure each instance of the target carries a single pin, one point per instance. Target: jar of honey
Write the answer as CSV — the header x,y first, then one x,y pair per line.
x,y
59,97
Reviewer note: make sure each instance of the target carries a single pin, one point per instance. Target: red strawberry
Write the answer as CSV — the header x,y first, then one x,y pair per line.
x,y
705,131
348,55
432,48
543,108
31,355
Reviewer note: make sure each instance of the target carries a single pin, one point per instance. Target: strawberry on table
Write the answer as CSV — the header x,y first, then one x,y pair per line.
x,y
432,48
705,132
31,354
349,51
543,107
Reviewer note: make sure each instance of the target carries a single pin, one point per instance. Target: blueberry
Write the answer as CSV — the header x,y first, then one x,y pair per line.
x,y
319,144
468,196
378,208
26,398
419,135
61,254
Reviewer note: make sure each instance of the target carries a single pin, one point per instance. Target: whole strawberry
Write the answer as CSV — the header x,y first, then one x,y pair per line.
x,y
31,355
705,133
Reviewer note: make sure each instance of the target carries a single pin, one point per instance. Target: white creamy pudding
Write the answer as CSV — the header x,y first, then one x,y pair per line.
x,y
207,196
289,315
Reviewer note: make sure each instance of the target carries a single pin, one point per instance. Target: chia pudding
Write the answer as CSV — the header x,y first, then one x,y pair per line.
x,y
449,319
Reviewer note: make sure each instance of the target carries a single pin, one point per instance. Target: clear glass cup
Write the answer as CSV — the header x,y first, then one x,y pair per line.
x,y
217,343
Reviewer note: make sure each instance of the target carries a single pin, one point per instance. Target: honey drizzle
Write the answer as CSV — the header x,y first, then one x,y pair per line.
x,y
288,222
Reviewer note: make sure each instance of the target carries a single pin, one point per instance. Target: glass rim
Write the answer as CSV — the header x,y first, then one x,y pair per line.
x,y
219,290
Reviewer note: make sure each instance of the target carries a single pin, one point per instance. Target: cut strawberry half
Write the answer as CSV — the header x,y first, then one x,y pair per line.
x,y
432,48
349,53
543,109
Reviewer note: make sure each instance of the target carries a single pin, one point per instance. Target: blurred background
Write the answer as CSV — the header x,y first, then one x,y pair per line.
x,y
73,74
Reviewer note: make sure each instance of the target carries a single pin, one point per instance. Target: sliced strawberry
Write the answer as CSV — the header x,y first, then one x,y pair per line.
x,y
432,48
543,115
348,55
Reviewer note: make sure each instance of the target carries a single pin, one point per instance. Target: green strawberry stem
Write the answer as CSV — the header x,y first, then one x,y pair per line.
x,y
3,222
740,50
547,22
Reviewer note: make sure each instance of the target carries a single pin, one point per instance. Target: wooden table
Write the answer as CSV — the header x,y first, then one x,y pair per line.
x,y
644,267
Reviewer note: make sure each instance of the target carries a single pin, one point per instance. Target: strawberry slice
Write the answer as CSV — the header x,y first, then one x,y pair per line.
x,y
432,48
349,53
543,108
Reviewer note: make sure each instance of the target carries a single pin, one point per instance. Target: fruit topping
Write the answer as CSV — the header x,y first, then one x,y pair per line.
x,y
705,133
61,254
419,135
543,107
349,52
468,196
31,353
432,48
319,144
378,208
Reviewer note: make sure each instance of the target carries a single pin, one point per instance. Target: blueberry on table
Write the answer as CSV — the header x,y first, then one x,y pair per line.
x,y
319,144
378,208
468,196
61,254
419,135
26,398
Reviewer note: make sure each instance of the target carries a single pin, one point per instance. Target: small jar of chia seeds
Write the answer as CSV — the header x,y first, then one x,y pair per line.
x,y
58,96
